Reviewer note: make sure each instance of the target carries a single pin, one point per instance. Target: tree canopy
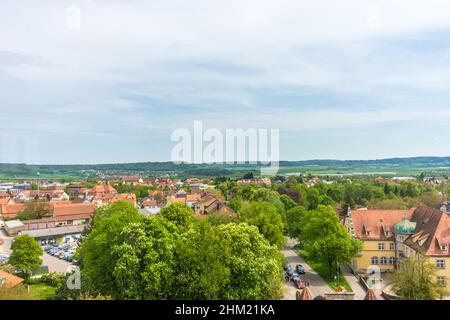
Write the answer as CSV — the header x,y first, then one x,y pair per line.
x,y
174,255
26,253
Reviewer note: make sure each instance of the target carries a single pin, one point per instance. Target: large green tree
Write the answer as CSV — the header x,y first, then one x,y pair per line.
x,y
415,279
26,254
267,218
326,240
178,213
255,265
96,253
171,256
294,217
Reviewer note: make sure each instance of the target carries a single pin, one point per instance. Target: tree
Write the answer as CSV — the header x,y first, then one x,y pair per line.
x,y
202,272
326,240
416,280
248,175
266,217
313,198
178,213
287,201
23,216
153,258
37,209
255,266
144,260
294,217
96,251
431,199
26,254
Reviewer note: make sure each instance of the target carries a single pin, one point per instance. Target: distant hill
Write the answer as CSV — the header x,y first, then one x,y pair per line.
x,y
415,165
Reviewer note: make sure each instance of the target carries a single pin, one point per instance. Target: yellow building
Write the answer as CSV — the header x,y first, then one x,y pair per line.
x,y
389,235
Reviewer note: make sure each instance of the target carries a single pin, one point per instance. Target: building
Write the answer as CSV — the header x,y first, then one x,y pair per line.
x,y
150,207
13,227
72,213
132,180
101,190
9,280
390,235
10,209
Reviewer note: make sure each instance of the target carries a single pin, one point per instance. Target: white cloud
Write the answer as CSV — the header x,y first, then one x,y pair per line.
x,y
146,66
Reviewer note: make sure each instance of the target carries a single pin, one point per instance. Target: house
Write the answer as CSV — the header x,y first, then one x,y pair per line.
x,y
13,227
193,199
131,179
9,280
59,195
102,189
390,235
131,197
76,189
208,204
180,194
259,182
73,213
150,206
10,209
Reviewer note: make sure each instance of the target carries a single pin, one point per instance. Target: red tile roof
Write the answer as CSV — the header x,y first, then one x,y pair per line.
x,y
377,224
9,280
67,209
432,232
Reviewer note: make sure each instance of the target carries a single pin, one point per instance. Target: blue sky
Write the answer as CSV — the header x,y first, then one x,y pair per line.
x,y
351,79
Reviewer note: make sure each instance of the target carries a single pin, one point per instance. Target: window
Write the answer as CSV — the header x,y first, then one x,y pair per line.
x,y
392,246
441,281
381,246
374,260
400,238
391,260
383,260
440,264
401,254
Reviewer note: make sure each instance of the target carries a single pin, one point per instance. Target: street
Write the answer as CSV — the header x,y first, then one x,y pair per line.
x,y
317,285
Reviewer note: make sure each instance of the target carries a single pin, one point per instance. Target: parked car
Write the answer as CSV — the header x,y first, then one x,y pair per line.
x,y
300,269
300,283
4,258
295,276
290,272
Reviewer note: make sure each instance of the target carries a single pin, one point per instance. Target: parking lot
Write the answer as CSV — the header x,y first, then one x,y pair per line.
x,y
60,261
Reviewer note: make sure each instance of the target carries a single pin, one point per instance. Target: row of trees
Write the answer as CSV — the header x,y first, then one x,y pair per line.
x,y
175,255
280,212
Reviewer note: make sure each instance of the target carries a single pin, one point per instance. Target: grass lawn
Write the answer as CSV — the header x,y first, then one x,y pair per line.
x,y
323,272
42,291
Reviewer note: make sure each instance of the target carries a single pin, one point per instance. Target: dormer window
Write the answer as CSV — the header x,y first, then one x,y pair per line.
x,y
443,247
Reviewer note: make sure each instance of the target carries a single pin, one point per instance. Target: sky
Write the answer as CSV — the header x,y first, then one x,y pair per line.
x,y
108,81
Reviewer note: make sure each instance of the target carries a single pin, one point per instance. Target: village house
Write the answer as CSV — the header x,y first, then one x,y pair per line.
x,y
390,235
131,180
74,190
9,280
150,207
257,181
101,190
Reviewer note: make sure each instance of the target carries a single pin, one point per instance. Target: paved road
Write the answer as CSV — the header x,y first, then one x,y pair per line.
x,y
317,285
6,242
